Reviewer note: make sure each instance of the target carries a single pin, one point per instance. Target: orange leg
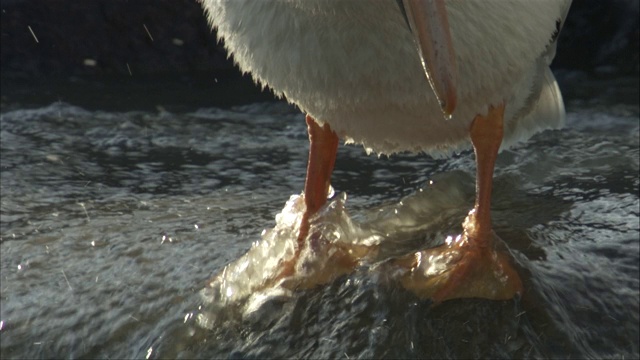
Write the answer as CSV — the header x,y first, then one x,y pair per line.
x,y
325,260
469,266
486,136
323,147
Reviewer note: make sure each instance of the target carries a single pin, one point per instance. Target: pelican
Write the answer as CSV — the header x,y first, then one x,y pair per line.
x,y
422,76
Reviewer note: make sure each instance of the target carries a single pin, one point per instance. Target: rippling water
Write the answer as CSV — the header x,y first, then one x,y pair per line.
x,y
113,222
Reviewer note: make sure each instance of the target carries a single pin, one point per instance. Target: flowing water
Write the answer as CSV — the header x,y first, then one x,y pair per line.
x,y
113,223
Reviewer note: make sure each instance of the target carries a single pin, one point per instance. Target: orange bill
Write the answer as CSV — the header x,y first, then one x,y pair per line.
x,y
430,28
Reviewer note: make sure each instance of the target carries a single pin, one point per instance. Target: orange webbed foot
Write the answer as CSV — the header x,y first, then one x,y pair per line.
x,y
469,266
460,269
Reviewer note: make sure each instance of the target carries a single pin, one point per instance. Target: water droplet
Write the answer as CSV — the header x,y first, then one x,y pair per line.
x,y
187,317
331,192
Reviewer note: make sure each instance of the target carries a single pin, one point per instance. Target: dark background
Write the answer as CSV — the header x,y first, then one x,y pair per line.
x,y
143,53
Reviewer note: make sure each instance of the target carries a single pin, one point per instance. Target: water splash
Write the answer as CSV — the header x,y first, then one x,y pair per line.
x,y
337,244
254,279
240,278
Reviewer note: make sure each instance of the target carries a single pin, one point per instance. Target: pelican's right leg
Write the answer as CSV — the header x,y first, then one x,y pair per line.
x,y
323,147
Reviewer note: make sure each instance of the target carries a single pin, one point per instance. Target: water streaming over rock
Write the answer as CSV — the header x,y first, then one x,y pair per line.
x,y
114,224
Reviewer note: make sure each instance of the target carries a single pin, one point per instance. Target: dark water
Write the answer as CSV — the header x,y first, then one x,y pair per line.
x,y
112,223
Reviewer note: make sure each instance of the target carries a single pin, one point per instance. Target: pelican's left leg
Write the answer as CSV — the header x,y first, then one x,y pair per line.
x,y
469,266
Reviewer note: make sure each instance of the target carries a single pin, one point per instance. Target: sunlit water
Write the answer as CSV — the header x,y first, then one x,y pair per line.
x,y
113,224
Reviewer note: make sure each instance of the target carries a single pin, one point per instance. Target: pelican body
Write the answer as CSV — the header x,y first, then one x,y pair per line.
x,y
354,65
427,76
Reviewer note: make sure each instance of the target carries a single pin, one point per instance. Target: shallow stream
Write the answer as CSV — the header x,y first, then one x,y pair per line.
x,y
113,221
